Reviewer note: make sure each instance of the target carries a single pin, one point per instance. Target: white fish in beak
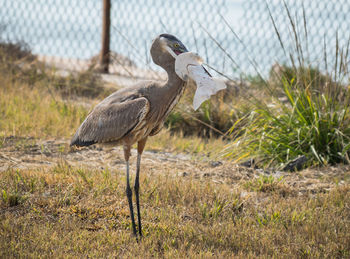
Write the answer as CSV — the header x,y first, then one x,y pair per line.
x,y
189,65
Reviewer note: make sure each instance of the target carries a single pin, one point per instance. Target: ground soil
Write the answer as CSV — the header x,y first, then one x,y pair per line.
x,y
30,153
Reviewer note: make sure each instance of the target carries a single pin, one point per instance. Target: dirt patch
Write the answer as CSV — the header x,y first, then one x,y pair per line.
x,y
30,153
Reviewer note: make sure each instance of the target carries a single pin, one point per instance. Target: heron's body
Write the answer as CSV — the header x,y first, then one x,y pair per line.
x,y
132,114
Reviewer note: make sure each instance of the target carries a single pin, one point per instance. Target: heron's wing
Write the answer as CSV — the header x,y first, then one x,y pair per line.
x,y
111,122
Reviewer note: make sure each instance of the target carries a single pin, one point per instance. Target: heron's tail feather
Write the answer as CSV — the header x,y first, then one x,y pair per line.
x,y
76,141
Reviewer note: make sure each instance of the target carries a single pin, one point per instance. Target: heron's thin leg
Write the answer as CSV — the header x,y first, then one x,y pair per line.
x,y
136,188
128,189
140,147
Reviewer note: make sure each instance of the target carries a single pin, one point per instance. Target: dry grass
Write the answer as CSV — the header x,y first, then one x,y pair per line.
x,y
34,112
75,212
40,111
178,143
82,213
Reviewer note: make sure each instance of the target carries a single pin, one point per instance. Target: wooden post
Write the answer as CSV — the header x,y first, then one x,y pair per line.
x,y
106,26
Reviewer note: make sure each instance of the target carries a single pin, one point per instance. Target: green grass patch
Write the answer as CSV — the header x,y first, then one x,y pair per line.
x,y
310,122
305,111
265,183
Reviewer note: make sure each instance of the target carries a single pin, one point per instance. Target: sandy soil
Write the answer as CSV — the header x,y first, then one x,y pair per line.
x,y
29,153
119,74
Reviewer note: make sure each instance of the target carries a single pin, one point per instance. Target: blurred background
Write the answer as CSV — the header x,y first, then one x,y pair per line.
x,y
233,36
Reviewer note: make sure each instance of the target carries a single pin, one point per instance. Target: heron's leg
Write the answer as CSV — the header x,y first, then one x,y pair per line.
x,y
140,146
128,189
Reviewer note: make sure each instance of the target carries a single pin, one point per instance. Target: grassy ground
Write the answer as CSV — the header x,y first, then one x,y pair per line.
x,y
41,111
34,112
71,212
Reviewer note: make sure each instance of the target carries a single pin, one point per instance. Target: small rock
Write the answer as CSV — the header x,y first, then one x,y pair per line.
x,y
296,164
185,174
244,194
215,163
186,217
278,173
260,171
46,194
248,163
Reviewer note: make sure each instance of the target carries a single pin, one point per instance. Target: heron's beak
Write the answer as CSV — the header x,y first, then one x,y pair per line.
x,y
175,52
206,71
180,50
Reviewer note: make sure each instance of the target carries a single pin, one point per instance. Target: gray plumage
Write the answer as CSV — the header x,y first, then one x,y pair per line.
x,y
132,114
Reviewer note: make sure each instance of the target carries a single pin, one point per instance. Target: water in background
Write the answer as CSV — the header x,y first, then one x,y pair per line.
x,y
72,28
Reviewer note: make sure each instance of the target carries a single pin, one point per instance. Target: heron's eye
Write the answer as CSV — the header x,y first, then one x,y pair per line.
x,y
176,45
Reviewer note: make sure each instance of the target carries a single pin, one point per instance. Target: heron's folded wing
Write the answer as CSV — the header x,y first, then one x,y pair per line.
x,y
111,122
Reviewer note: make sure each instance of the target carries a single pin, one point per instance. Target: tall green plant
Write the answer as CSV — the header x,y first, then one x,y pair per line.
x,y
307,112
310,123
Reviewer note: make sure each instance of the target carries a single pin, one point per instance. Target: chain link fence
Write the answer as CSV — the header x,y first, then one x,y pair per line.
x,y
233,36
319,25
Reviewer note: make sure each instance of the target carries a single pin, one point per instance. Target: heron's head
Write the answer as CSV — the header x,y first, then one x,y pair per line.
x,y
165,48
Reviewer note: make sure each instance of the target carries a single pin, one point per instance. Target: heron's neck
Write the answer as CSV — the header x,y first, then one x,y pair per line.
x,y
172,89
174,82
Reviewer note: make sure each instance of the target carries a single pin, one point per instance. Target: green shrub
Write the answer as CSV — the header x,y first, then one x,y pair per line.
x,y
306,112
310,121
